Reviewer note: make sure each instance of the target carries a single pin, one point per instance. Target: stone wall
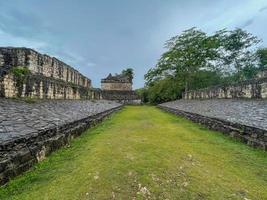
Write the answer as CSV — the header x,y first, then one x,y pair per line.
x,y
116,86
126,97
30,132
48,77
255,88
252,135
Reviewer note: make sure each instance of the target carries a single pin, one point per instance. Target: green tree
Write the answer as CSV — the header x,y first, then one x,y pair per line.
x,y
187,53
164,90
143,94
195,60
237,52
129,72
262,55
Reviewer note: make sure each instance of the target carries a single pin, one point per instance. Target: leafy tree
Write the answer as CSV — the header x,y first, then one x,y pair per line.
x,y
164,90
262,55
187,53
237,53
194,60
143,94
129,72
204,78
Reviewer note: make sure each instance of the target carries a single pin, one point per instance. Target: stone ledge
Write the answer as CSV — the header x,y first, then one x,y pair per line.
x,y
19,155
252,136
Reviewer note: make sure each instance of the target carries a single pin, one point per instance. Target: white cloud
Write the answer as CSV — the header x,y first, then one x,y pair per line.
x,y
11,40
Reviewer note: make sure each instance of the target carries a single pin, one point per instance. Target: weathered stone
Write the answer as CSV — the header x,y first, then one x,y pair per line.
x,y
116,83
254,88
245,120
42,128
49,78
119,88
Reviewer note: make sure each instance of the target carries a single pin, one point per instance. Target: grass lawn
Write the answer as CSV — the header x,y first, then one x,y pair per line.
x,y
144,153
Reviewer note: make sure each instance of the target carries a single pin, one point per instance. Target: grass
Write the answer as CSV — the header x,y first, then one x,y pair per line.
x,y
144,153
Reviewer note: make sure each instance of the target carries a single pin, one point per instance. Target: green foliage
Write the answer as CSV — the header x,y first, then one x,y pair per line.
x,y
164,90
186,54
20,74
30,100
129,72
171,157
203,79
262,55
143,94
237,52
196,60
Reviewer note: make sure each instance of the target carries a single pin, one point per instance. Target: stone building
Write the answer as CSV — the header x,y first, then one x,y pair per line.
x,y
26,73
116,83
119,88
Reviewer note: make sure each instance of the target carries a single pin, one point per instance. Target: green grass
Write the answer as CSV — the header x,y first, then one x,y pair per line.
x,y
144,153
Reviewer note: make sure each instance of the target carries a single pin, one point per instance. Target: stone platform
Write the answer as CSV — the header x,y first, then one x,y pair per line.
x,y
29,132
242,119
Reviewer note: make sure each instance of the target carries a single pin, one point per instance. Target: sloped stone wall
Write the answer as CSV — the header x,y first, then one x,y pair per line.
x,y
255,88
242,119
30,132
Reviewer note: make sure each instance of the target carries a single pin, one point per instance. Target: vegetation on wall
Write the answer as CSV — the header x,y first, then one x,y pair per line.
x,y
20,74
262,55
195,60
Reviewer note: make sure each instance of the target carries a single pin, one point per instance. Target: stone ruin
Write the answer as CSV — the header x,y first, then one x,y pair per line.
x,y
44,77
249,89
119,87
30,132
119,82
238,110
26,73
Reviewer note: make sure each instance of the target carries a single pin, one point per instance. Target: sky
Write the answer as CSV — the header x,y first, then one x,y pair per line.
x,y
99,37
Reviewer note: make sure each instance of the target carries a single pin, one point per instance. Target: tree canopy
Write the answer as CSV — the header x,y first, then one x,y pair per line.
x,y
129,72
195,59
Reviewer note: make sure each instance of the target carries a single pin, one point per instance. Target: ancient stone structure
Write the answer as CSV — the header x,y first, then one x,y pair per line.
x,y
27,73
255,88
239,110
126,97
245,120
117,82
30,132
119,88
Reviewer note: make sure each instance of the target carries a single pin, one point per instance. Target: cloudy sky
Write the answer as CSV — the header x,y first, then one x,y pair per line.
x,y
101,36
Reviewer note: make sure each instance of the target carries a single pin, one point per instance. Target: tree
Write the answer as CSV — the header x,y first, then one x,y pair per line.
x,y
195,60
143,94
262,55
237,52
164,90
187,53
129,72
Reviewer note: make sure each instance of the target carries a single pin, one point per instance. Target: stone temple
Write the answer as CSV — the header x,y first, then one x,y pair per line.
x,y
117,82
119,87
